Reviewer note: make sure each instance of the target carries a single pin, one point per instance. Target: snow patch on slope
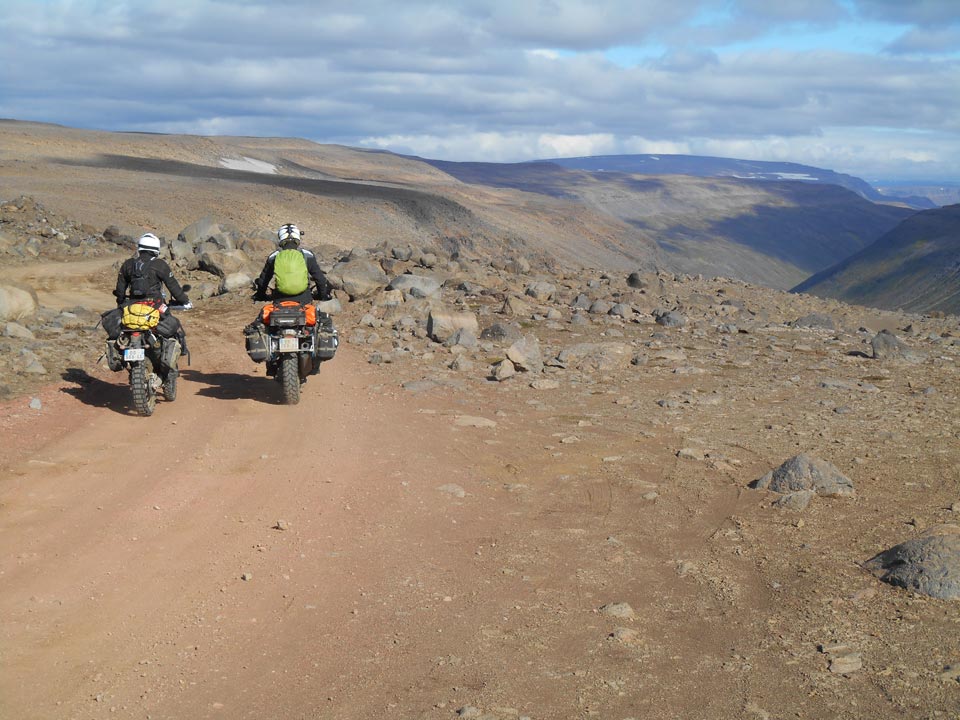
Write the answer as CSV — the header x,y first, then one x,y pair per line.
x,y
249,165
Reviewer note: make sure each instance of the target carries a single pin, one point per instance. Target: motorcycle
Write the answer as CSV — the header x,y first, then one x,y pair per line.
x,y
293,341
147,350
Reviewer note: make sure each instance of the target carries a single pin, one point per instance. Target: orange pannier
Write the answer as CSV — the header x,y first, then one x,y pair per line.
x,y
309,310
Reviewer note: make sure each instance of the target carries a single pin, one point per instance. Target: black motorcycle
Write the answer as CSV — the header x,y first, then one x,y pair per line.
x,y
147,350
293,341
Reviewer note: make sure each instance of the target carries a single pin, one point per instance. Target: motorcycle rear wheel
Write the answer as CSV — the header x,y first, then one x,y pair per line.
x,y
290,378
144,397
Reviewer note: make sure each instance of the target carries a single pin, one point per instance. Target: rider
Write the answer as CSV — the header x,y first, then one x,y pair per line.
x,y
288,237
142,278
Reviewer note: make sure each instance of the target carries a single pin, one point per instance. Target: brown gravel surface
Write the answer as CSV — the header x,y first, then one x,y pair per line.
x,y
371,551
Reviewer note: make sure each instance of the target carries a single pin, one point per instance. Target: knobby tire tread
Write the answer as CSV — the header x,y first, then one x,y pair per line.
x,y
290,379
144,400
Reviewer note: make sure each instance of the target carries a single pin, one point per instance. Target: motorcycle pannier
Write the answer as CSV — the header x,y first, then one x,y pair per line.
x,y
111,322
257,347
170,353
327,338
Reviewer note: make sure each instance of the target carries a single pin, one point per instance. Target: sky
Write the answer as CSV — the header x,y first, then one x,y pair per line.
x,y
865,87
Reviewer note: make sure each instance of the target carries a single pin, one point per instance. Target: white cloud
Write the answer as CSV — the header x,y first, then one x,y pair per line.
x,y
497,79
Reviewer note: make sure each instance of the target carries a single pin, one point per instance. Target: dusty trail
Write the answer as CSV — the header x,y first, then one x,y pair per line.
x,y
126,538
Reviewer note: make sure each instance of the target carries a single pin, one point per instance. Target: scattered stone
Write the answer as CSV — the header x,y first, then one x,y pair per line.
x,y
544,384
471,421
620,610
805,472
503,370
16,330
690,454
453,489
816,321
35,404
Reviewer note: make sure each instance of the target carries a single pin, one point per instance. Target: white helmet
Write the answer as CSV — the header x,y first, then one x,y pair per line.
x,y
149,243
289,234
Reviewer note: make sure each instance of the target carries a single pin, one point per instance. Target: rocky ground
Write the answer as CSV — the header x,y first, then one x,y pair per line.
x,y
512,494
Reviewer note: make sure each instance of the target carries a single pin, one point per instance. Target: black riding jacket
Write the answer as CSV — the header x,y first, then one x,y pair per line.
x,y
321,285
143,276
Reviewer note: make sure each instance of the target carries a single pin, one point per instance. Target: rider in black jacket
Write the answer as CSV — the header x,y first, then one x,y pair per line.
x,y
143,277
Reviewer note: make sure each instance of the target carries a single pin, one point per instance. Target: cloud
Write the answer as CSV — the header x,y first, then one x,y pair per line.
x,y
497,79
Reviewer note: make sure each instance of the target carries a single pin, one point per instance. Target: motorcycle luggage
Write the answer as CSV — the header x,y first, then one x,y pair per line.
x,y
140,316
327,337
169,326
257,347
110,320
327,343
170,353
114,358
288,316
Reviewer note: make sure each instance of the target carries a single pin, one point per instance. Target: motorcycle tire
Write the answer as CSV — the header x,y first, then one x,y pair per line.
x,y
144,397
289,376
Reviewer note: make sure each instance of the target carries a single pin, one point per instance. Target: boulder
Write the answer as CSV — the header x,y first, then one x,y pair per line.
x,y
669,318
887,346
501,332
515,307
443,323
525,354
208,230
805,472
540,291
358,277
236,281
17,302
416,286
929,564
223,263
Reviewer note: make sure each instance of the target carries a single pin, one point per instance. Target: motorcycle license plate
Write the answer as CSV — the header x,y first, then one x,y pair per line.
x,y
289,344
131,354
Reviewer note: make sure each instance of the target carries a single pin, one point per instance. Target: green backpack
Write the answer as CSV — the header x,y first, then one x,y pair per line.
x,y
290,271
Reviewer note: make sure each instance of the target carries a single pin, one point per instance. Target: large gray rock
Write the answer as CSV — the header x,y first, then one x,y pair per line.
x,y
358,277
816,321
669,318
501,332
928,564
887,346
208,230
525,354
540,291
805,472
416,287
17,302
442,323
224,263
